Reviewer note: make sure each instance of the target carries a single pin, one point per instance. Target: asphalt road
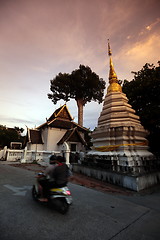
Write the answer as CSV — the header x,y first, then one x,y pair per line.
x,y
94,215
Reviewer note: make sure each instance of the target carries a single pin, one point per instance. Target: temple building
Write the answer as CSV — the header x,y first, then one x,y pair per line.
x,y
58,129
119,136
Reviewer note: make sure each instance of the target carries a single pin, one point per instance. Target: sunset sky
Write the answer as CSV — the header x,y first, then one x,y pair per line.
x,y
40,38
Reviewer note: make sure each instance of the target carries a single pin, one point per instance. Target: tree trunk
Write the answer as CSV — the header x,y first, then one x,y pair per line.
x,y
80,104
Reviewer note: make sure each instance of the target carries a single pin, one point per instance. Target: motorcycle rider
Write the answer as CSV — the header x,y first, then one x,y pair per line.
x,y
56,175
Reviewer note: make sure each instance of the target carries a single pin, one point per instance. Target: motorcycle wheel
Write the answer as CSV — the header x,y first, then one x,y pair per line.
x,y
35,195
64,207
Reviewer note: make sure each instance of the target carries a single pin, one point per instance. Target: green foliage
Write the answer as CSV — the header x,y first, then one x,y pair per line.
x,y
8,135
144,96
82,84
61,88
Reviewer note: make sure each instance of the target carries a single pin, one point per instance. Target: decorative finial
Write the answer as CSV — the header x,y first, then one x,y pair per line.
x,y
113,80
109,49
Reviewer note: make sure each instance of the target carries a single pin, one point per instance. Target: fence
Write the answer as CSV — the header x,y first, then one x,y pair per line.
x,y
26,156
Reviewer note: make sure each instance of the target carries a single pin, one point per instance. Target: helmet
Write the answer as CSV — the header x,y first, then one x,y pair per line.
x,y
52,159
61,159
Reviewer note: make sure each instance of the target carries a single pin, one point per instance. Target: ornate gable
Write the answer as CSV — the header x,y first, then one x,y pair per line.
x,y
34,136
72,135
61,112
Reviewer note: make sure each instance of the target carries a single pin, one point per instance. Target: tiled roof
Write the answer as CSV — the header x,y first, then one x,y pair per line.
x,y
61,123
62,119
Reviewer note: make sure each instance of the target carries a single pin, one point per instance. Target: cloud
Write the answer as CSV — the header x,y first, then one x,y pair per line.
x,y
146,49
135,54
41,38
40,69
152,25
15,122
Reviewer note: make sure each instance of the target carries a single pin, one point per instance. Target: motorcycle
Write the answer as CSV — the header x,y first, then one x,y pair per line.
x,y
59,198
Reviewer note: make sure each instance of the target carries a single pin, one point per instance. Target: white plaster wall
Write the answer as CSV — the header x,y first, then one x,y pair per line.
x,y
50,138
45,138
28,146
35,147
54,135
1,153
14,155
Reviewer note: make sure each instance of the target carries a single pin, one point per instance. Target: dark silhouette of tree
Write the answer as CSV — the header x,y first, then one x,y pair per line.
x,y
19,130
82,84
8,135
143,93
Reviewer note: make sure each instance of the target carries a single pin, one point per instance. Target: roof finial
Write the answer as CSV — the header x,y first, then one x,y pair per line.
x,y
113,80
109,49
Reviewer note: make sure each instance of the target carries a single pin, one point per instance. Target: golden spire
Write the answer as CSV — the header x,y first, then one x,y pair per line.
x,y
113,80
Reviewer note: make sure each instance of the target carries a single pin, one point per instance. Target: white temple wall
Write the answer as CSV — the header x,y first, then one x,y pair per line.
x,y
27,156
15,155
54,135
35,147
44,135
1,154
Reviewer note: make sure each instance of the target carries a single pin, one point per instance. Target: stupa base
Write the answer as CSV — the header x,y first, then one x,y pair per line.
x,y
135,182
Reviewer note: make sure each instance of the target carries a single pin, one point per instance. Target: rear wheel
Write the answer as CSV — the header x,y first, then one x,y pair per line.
x,y
64,207
60,205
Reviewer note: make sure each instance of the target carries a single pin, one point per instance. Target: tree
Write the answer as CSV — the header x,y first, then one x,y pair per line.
x,y
143,94
82,84
8,135
19,130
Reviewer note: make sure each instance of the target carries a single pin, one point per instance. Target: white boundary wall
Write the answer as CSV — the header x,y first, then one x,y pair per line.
x,y
26,156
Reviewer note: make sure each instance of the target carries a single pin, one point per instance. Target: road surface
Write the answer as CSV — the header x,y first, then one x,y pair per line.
x,y
93,216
